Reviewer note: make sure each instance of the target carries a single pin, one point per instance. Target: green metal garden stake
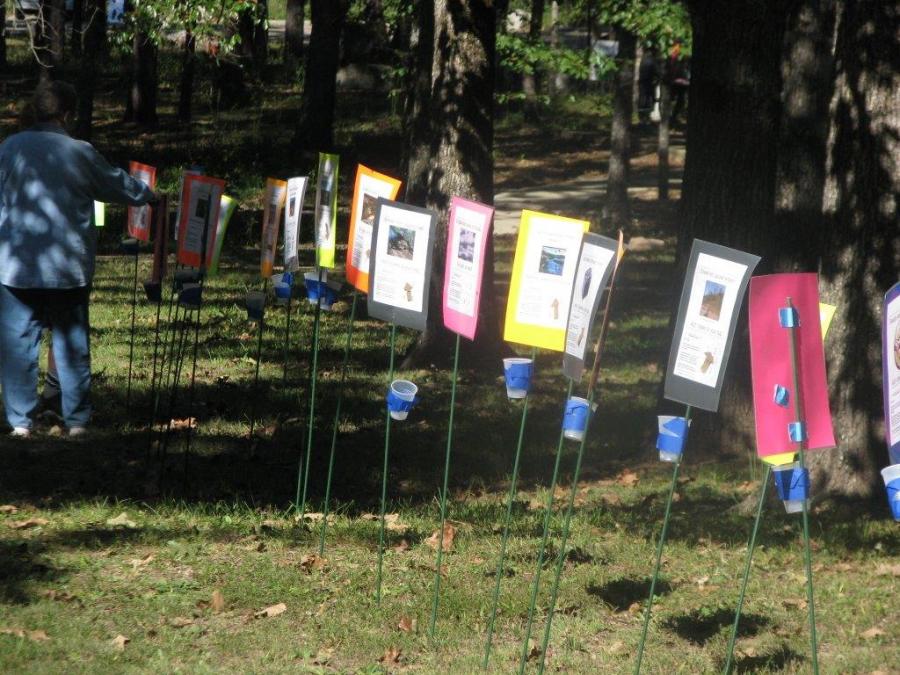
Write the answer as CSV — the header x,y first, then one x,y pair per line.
x,y
750,547
440,548
259,341
548,512
659,550
384,474
287,336
337,419
509,506
311,421
798,416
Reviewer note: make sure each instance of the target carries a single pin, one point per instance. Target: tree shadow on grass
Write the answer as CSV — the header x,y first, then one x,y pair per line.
x,y
776,661
700,625
19,565
620,594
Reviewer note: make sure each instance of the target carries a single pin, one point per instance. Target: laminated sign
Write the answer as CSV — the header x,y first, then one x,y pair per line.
x,y
400,269
596,262
293,209
274,203
782,305
201,197
542,277
369,186
139,216
326,209
468,234
890,336
711,298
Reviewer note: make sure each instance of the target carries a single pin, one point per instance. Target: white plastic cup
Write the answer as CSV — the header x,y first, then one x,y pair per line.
x,y
516,392
405,390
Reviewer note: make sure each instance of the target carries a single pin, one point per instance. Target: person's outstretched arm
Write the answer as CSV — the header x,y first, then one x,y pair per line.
x,y
113,185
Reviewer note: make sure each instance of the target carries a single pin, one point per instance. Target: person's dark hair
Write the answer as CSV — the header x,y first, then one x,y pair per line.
x,y
52,101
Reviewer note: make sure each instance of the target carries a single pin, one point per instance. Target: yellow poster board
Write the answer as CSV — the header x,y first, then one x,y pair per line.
x,y
826,314
543,273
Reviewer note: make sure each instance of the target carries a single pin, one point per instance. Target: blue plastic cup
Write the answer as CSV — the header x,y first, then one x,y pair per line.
x,y
792,484
891,475
406,392
256,303
328,290
190,296
671,437
576,418
282,284
517,373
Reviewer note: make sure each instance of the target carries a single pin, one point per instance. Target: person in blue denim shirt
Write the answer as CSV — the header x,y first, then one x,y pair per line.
x,y
48,185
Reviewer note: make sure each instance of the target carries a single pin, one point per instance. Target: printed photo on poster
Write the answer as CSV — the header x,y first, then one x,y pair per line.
x,y
594,269
714,296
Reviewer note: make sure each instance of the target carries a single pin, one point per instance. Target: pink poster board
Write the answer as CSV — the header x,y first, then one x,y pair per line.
x,y
770,359
468,235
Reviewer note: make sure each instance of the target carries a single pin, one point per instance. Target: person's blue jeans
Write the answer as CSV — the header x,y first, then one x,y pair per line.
x,y
24,313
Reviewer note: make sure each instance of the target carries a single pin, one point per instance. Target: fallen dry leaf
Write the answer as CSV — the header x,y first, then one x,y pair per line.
x,y
702,581
218,602
615,648
33,635
391,655
138,563
402,547
872,633
61,596
393,523
28,524
311,562
180,622
795,603
269,612
119,642
533,650
122,520
611,499
447,543
407,625
628,478
9,508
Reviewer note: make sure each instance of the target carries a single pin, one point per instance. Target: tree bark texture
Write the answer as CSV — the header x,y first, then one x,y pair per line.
x,y
663,134
460,147
417,113
618,209
186,83
316,130
142,94
530,81
94,47
860,249
295,14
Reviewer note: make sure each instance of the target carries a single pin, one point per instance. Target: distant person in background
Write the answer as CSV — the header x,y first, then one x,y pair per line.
x,y
48,184
680,78
648,76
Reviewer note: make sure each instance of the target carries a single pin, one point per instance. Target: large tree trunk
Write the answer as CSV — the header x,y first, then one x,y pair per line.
x,y
860,246
316,129
416,109
460,150
94,46
295,14
186,84
77,27
618,210
663,133
253,43
729,177
56,23
141,105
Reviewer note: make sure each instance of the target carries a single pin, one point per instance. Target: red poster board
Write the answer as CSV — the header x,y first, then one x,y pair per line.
x,y
770,359
201,200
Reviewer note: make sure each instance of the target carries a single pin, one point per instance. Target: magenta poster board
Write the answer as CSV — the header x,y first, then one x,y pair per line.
x,y
468,234
770,360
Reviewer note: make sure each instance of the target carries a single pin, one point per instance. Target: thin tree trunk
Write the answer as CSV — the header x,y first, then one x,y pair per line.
x,y
295,14
530,80
57,33
860,244
417,114
186,84
94,39
663,135
77,27
261,35
461,153
3,35
316,129
617,207
141,105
